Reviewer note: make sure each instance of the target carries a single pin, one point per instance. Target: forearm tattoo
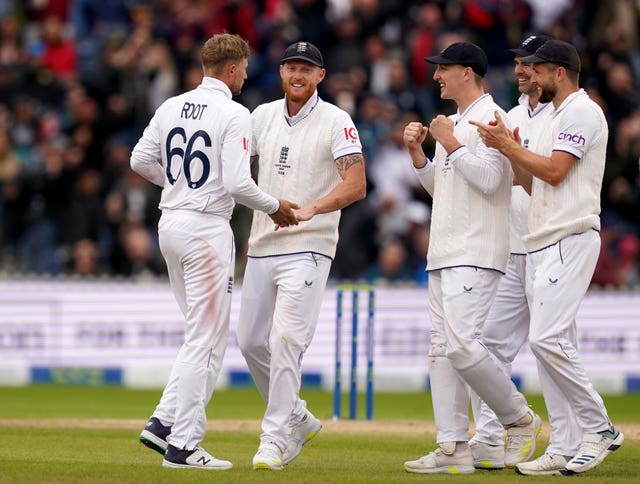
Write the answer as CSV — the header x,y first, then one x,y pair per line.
x,y
345,162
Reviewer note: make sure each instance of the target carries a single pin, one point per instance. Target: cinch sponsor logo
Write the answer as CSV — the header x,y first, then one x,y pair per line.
x,y
574,138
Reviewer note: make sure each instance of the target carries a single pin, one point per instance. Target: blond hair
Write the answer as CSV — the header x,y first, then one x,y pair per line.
x,y
222,49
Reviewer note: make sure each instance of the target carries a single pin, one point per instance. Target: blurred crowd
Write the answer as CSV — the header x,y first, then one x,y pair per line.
x,y
79,80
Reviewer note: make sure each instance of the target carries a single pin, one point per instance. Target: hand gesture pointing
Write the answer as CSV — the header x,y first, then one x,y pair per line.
x,y
496,134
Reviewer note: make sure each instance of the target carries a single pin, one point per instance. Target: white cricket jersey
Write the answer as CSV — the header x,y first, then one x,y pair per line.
x,y
297,162
577,127
531,123
469,224
196,147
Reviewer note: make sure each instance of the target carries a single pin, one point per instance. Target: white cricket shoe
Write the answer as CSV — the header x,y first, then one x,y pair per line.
x,y
487,456
197,458
594,448
521,439
545,465
446,459
300,434
269,456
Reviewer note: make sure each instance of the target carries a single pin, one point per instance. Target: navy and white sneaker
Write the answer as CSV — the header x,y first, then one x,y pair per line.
x,y
197,458
594,449
154,435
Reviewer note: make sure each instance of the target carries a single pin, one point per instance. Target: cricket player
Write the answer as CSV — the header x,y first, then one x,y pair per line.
x,y
309,150
196,147
563,173
507,326
468,251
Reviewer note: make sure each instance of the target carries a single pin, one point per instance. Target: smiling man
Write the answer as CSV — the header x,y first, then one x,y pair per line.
x,y
468,251
564,175
309,149
507,326
195,148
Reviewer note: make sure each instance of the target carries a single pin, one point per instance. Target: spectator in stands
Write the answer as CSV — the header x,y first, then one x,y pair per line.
x,y
58,53
84,260
395,181
130,54
9,161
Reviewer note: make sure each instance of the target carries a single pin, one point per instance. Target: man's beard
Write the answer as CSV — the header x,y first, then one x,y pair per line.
x,y
547,94
298,96
236,88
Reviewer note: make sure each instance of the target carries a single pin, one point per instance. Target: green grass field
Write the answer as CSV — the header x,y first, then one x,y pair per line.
x,y
53,434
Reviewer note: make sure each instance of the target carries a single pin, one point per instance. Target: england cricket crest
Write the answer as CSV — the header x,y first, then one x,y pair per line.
x,y
283,161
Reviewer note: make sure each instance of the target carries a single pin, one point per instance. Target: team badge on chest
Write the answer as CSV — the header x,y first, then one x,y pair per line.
x,y
283,162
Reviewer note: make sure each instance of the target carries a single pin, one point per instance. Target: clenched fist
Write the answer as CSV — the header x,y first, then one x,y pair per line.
x,y
414,135
441,127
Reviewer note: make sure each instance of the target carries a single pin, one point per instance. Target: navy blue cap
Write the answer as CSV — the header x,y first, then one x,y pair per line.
x,y
556,52
530,45
465,54
304,51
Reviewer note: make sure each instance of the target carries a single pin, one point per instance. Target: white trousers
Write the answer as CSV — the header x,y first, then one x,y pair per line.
x,y
281,299
504,333
200,252
557,280
459,302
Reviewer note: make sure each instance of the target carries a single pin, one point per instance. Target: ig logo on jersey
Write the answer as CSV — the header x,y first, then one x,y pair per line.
x,y
351,134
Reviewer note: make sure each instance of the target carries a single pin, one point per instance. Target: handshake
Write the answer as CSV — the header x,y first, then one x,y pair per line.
x,y
290,213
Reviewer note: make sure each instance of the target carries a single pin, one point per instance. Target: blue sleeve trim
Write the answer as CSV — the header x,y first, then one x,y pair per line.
x,y
458,148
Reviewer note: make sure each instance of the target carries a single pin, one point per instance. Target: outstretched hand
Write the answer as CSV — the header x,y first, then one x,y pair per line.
x,y
285,216
495,134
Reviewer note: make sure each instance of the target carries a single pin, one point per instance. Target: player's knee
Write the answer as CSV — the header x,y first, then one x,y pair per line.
x,y
243,340
437,351
194,355
286,342
552,349
461,357
467,354
249,345
540,347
